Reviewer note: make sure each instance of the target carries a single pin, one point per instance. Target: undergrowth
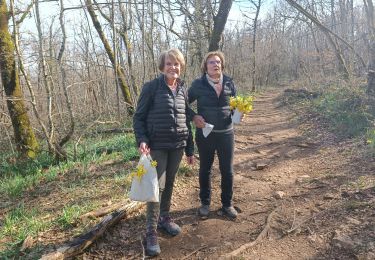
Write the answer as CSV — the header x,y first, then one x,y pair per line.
x,y
80,184
344,109
17,177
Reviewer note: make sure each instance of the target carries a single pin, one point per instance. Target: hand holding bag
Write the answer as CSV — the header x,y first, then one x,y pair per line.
x,y
145,184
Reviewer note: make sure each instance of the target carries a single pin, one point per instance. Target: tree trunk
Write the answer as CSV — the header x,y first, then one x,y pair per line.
x,y
70,132
369,8
53,146
255,26
371,71
219,24
333,16
343,70
24,135
126,40
121,76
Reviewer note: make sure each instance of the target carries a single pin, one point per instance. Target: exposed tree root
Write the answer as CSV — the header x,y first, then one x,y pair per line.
x,y
246,246
192,253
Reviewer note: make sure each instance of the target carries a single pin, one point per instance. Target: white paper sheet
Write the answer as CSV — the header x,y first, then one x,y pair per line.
x,y
207,129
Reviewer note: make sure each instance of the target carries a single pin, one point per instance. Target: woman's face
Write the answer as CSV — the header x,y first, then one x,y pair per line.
x,y
214,66
172,68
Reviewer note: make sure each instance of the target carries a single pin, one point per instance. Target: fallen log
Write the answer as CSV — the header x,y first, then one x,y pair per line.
x,y
101,212
114,131
80,243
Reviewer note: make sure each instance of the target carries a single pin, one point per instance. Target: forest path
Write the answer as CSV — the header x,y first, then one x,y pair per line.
x,y
277,169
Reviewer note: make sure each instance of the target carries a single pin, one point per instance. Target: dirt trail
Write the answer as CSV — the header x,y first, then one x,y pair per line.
x,y
300,179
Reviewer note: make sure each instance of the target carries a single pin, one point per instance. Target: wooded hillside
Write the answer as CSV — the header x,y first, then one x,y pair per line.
x,y
81,64
72,70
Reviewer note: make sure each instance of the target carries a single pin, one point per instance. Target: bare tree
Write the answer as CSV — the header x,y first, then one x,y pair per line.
x,y
257,5
55,147
70,132
220,20
369,8
24,135
342,64
120,73
127,16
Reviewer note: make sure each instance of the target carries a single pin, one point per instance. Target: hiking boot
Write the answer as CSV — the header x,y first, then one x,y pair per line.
x,y
152,245
167,224
204,210
230,212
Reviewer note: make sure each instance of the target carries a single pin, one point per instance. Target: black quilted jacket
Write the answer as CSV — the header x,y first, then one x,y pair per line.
x,y
215,110
161,120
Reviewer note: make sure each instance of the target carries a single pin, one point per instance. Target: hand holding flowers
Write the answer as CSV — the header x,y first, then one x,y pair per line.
x,y
241,105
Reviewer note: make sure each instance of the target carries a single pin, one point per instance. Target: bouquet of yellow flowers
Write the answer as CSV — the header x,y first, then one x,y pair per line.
x,y
145,184
240,105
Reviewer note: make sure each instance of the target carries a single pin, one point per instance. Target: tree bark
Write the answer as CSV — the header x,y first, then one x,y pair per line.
x,y
219,24
24,135
125,37
255,26
121,76
53,146
70,133
369,8
123,31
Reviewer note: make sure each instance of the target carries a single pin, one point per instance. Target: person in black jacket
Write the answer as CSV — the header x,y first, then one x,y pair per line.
x,y
212,93
162,128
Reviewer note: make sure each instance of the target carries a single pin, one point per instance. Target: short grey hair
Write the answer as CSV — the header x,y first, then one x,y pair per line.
x,y
174,54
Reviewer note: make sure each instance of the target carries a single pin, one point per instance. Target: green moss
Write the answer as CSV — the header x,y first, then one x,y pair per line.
x,y
25,138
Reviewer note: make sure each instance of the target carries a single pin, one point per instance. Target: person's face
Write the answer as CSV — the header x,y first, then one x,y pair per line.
x,y
214,66
172,68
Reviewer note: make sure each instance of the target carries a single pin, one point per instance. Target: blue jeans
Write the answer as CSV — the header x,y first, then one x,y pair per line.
x,y
168,163
223,144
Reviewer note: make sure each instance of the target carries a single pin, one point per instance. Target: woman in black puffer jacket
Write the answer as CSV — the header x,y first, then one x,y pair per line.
x,y
212,93
162,128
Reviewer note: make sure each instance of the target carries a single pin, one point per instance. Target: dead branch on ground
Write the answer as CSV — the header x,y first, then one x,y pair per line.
x,y
80,243
102,211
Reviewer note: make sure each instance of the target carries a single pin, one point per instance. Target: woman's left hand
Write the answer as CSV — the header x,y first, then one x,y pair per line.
x,y
190,160
199,121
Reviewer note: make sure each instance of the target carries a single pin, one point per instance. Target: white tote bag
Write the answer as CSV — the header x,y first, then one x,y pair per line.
x,y
147,188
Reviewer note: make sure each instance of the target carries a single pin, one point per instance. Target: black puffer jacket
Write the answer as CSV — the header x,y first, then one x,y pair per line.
x,y
215,110
161,118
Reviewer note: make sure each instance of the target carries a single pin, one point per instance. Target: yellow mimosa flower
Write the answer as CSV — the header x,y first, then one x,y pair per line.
x,y
243,104
139,173
154,163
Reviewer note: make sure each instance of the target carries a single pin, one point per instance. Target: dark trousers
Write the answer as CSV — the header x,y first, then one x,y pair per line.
x,y
223,145
168,163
